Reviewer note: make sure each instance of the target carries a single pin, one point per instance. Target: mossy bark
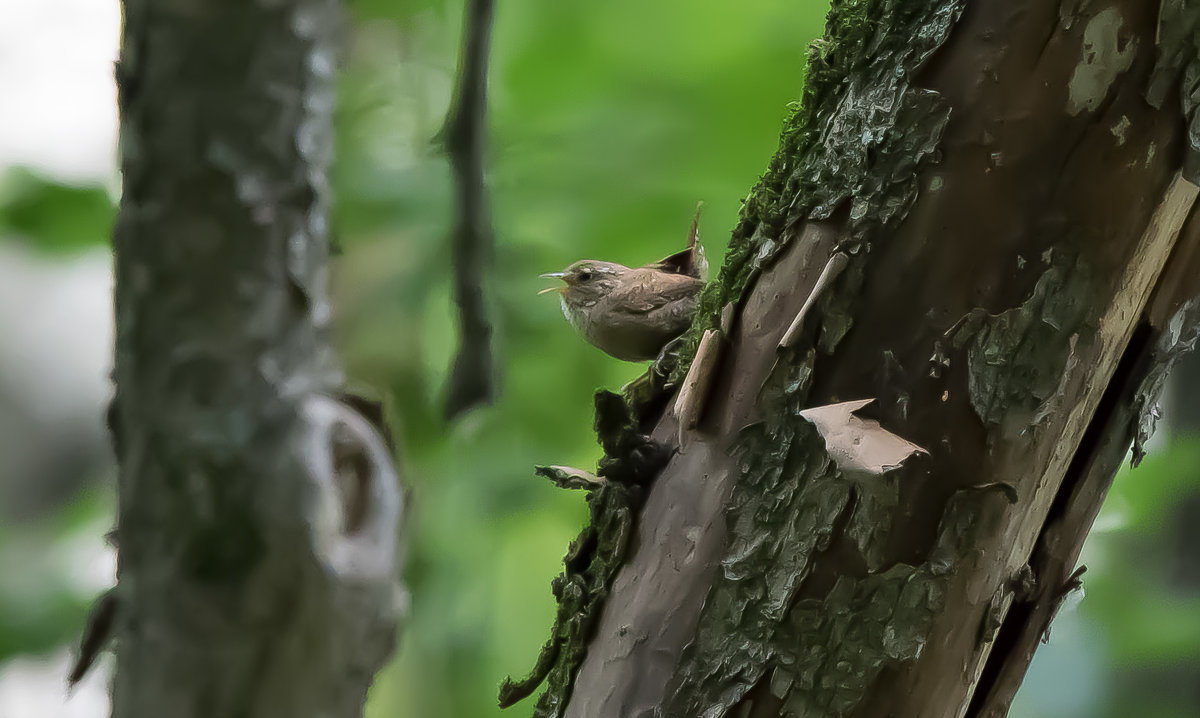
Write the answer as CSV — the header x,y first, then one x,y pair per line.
x,y
257,515
1022,268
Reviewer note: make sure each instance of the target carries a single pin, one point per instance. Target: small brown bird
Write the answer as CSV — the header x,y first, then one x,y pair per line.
x,y
632,313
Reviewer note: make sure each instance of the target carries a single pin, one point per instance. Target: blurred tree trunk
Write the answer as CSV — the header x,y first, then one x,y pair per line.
x,y
999,194
1184,418
257,516
1185,402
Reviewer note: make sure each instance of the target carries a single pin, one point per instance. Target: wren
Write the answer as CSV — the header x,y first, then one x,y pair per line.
x,y
631,313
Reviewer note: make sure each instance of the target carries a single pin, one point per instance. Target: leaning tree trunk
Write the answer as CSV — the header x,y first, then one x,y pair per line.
x,y
257,515
982,213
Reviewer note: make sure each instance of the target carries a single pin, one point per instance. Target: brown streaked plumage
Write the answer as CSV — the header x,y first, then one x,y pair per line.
x,y
629,313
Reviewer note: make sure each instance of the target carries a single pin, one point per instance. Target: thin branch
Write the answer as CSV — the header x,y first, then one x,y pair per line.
x,y
472,378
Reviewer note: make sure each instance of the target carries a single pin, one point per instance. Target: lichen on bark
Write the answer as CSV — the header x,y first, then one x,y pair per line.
x,y
816,655
831,649
1010,386
1177,68
1179,337
631,461
859,134
579,590
788,496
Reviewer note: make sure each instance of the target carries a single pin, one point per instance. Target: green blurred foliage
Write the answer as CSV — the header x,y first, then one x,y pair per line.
x,y
48,589
54,217
1129,644
609,122
1144,589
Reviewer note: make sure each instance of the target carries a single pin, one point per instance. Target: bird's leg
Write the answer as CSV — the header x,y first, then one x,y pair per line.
x,y
657,377
670,351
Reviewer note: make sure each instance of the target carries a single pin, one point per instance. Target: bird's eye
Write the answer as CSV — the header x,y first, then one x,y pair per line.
x,y
584,276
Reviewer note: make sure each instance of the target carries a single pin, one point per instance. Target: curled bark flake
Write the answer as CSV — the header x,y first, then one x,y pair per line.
x,y
1071,585
568,477
859,445
694,394
993,617
835,266
1177,339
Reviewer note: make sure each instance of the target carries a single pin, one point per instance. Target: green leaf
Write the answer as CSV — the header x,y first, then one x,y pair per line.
x,y
54,217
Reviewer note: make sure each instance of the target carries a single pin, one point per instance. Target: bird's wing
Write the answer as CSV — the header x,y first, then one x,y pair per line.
x,y
689,262
682,262
667,288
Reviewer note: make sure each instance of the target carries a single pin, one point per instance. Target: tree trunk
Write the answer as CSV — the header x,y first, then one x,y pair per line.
x,y
1184,404
980,208
257,515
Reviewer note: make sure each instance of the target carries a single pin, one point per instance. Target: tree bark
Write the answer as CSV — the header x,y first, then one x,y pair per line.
x,y
1002,191
257,514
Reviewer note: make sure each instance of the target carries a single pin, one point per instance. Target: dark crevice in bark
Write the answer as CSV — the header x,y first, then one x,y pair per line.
x,y
1115,398
1046,44
1111,416
841,552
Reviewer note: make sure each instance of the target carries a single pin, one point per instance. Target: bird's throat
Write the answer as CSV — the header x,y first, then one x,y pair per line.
x,y
574,315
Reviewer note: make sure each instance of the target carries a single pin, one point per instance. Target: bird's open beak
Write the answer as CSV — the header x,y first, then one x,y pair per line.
x,y
553,275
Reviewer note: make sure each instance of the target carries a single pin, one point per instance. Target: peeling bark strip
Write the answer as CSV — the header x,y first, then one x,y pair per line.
x,y
693,394
257,516
1008,202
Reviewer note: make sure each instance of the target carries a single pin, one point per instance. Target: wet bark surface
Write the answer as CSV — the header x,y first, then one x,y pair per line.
x,y
1013,315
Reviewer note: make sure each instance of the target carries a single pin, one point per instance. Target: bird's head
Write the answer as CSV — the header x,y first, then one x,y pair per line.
x,y
586,282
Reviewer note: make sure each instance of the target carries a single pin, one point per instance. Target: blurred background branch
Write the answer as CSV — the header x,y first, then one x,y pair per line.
x,y
472,378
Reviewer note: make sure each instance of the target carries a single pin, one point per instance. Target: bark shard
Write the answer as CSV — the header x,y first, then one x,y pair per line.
x,y
857,445
1178,68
